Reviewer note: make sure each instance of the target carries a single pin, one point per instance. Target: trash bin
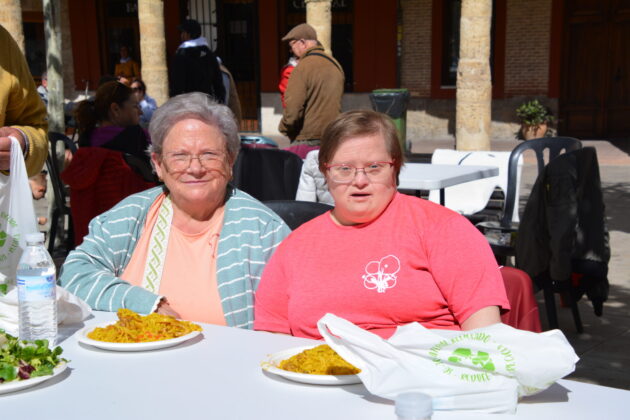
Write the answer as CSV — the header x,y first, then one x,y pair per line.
x,y
393,102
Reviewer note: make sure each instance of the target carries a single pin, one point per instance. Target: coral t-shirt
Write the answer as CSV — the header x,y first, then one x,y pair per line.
x,y
417,262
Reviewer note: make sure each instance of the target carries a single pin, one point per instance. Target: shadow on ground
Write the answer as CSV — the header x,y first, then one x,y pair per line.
x,y
603,347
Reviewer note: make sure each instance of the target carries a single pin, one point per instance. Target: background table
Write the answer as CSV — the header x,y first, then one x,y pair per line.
x,y
218,376
427,176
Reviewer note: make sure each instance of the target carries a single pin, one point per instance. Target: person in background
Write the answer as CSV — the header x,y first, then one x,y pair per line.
x,y
111,121
22,112
214,239
231,94
39,186
195,67
286,71
42,89
147,104
313,186
380,258
127,69
314,92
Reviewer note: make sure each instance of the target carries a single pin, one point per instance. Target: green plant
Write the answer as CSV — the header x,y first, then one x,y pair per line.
x,y
533,113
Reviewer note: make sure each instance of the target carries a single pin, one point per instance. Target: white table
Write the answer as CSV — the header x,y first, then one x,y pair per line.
x,y
427,176
219,377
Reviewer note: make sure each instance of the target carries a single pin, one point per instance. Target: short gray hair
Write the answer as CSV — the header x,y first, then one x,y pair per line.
x,y
198,106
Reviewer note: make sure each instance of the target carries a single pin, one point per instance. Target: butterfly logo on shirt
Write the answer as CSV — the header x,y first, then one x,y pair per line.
x,y
381,275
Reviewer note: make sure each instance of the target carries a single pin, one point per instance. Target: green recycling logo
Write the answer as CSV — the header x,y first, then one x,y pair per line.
x,y
481,359
460,357
3,238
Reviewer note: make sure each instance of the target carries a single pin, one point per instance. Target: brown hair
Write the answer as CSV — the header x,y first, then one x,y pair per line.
x,y
91,112
353,124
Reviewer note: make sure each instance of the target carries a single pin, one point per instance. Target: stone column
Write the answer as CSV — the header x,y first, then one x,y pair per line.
x,y
54,65
319,16
153,48
11,19
474,86
69,87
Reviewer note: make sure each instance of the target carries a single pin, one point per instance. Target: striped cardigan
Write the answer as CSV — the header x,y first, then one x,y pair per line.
x,y
250,234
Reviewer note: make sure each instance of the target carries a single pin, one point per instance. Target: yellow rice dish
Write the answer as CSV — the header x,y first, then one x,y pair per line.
x,y
134,328
320,360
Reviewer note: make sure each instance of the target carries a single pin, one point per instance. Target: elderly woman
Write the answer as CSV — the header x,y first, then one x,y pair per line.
x,y
195,248
380,258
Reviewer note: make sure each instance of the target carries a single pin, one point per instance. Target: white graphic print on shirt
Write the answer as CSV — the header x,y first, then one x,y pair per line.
x,y
381,275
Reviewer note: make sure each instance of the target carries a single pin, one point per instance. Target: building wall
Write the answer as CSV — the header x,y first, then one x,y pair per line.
x,y
415,72
528,34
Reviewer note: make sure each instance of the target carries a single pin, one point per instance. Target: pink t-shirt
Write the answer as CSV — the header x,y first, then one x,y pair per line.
x,y
417,262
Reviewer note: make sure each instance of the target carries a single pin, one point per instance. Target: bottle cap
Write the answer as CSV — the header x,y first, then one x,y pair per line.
x,y
34,237
414,405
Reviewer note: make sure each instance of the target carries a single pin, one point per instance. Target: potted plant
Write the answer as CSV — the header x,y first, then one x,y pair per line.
x,y
535,119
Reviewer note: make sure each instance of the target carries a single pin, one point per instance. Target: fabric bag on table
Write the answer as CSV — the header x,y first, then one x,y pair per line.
x,y
17,216
483,370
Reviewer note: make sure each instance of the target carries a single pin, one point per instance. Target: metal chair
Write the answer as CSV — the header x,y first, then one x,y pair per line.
x,y
295,213
60,207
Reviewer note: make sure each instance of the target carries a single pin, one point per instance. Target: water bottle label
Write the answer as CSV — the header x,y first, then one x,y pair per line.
x,y
34,288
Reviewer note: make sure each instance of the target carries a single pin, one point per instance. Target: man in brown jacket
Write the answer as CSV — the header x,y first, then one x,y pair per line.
x,y
313,95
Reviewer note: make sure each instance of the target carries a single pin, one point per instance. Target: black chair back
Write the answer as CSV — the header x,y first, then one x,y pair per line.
x,y
60,207
555,145
267,174
295,213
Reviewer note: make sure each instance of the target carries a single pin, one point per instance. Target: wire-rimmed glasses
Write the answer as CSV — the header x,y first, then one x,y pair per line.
x,y
179,161
344,173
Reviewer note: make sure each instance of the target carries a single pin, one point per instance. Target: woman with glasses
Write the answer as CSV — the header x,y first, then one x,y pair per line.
x,y
111,121
380,258
194,248
147,104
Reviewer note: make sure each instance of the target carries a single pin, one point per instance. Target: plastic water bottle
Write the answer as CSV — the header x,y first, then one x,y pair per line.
x,y
414,406
36,285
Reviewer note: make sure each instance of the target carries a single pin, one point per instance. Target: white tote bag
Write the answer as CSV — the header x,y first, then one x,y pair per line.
x,y
483,370
17,216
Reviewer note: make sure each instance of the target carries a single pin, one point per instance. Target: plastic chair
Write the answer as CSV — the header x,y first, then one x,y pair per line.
x,y
60,207
267,174
562,241
501,234
295,213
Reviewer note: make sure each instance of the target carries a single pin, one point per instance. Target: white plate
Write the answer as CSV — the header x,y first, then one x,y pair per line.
x,y
27,383
273,361
149,345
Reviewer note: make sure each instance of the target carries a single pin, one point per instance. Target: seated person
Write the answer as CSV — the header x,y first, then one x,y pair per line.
x,y
379,259
312,186
111,120
194,248
147,104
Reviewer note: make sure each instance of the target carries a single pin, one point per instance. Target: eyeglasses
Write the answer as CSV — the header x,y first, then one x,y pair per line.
x,y
136,89
181,161
344,173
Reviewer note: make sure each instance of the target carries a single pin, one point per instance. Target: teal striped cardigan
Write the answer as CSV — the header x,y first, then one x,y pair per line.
x,y
250,234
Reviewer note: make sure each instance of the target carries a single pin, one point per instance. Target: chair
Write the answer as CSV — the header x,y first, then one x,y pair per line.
x,y
500,234
60,207
98,178
562,241
267,174
295,213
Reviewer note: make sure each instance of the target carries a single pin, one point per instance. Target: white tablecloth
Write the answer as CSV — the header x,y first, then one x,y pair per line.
x,y
218,376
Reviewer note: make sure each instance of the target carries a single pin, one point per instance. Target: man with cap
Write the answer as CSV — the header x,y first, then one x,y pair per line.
x,y
313,95
194,67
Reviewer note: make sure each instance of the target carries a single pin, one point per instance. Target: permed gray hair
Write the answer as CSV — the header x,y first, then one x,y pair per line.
x,y
198,106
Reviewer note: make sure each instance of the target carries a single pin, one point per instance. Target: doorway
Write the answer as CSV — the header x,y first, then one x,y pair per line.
x,y
595,86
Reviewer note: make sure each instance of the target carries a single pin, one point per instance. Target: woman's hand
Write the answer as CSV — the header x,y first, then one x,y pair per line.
x,y
165,309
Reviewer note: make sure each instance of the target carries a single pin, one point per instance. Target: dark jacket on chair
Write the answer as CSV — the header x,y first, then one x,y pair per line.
x,y
563,233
